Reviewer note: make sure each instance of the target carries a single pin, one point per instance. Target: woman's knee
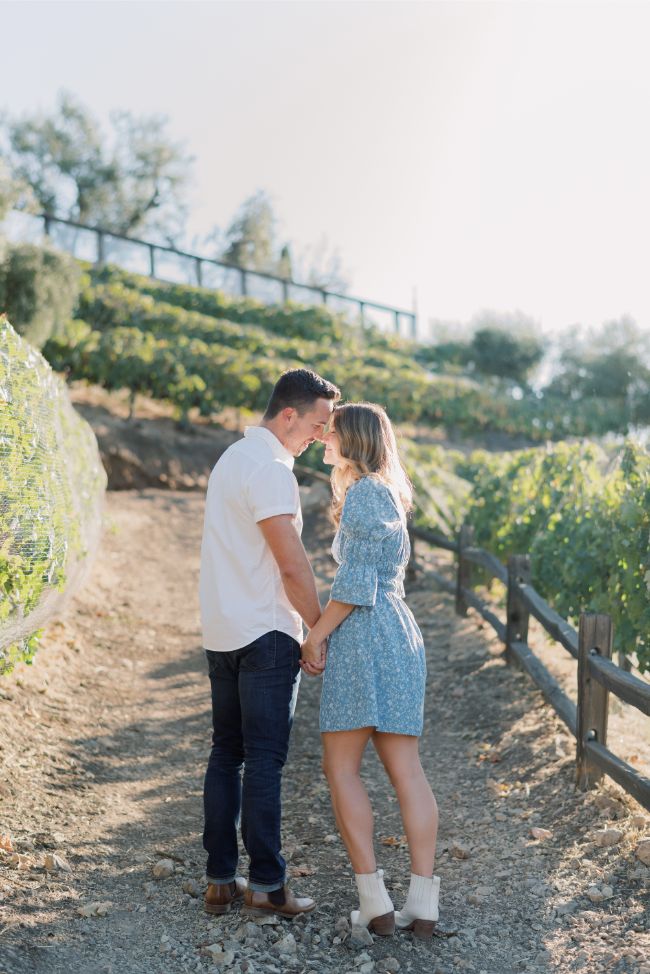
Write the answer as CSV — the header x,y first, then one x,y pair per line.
x,y
336,770
405,774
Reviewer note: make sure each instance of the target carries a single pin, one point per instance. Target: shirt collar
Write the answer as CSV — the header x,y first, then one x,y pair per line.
x,y
279,451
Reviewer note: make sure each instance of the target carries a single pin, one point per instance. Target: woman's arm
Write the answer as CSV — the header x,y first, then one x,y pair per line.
x,y
332,616
314,649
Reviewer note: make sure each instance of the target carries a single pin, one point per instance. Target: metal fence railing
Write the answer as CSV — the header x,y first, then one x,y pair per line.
x,y
99,246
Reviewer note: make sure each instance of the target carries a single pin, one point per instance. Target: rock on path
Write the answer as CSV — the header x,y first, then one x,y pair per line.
x,y
103,748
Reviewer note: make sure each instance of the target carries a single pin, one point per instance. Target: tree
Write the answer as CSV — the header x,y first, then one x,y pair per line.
x,y
611,362
504,344
250,242
250,238
132,183
153,173
39,288
13,193
500,353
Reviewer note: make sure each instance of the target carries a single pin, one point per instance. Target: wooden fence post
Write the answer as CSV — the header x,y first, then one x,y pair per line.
x,y
464,573
517,612
594,638
624,661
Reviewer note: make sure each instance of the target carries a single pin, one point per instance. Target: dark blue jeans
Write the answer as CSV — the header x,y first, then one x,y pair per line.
x,y
254,691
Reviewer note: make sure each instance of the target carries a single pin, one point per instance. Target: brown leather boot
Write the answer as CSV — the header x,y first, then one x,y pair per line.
x,y
280,901
219,897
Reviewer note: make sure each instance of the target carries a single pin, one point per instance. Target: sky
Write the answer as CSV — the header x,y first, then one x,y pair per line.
x,y
471,155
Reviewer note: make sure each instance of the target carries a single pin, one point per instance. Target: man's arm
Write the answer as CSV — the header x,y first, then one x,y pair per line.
x,y
314,648
297,577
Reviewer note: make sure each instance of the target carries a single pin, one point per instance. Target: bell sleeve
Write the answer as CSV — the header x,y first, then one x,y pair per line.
x,y
369,515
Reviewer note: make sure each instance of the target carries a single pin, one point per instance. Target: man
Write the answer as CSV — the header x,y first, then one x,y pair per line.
x,y
256,589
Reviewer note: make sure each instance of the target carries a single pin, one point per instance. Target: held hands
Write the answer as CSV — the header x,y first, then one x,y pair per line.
x,y
312,656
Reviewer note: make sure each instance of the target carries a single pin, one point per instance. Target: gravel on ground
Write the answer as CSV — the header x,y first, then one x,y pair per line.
x,y
103,747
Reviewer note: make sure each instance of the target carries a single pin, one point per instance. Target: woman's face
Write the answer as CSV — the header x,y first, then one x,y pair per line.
x,y
332,453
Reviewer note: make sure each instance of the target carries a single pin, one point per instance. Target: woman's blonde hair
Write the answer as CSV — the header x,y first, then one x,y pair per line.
x,y
368,448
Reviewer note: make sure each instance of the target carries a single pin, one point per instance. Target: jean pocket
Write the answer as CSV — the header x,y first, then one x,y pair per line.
x,y
287,652
260,654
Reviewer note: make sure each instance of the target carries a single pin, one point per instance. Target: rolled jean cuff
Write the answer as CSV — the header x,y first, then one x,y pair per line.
x,y
221,882
265,887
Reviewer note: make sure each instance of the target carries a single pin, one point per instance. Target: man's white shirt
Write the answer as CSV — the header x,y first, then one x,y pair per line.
x,y
241,590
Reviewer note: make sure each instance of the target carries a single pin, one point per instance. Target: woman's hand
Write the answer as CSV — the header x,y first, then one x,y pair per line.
x,y
312,655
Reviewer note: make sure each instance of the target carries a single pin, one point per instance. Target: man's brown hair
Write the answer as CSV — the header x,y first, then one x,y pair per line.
x,y
299,388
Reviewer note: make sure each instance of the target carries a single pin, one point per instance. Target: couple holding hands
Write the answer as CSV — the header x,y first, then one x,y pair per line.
x,y
257,588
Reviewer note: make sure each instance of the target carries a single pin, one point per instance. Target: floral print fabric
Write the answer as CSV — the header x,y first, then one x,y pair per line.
x,y
375,671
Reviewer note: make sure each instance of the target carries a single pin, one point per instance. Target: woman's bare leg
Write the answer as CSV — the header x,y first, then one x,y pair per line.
x,y
399,755
342,754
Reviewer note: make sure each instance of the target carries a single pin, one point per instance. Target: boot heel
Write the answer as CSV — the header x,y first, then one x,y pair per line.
x,y
217,908
423,929
384,925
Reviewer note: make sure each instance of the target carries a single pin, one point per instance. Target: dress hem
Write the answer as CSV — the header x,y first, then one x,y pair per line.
x,y
380,729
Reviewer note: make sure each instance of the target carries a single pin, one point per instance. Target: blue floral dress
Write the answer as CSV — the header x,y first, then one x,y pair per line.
x,y
375,671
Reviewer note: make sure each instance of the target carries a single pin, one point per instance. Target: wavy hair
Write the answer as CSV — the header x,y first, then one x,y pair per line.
x,y
368,448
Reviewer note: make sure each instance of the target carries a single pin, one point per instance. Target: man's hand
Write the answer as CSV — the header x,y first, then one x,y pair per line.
x,y
312,656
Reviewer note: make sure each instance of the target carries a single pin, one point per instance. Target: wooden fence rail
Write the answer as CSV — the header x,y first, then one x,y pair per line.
x,y
591,646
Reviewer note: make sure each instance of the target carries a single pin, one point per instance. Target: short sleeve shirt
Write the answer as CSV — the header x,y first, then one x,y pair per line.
x,y
241,591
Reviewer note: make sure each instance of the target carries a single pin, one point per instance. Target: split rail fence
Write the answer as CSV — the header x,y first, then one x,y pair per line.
x,y
591,646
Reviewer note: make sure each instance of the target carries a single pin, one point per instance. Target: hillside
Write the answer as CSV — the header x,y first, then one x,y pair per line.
x,y
202,352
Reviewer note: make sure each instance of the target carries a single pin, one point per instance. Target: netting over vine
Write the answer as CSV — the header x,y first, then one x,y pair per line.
x,y
52,486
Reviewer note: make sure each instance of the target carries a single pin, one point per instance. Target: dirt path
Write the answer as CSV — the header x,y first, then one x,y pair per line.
x,y
103,745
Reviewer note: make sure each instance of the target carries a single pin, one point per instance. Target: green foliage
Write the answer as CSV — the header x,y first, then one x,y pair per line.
x,y
110,306
441,495
490,351
583,520
184,370
251,242
495,351
13,192
501,344
133,182
38,289
226,350
250,238
612,363
583,517
290,320
51,487
443,355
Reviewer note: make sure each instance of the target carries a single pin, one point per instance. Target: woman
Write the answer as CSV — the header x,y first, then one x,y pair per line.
x,y
373,684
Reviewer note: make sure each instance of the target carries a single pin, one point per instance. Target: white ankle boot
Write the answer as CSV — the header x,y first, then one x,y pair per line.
x,y
420,912
376,909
